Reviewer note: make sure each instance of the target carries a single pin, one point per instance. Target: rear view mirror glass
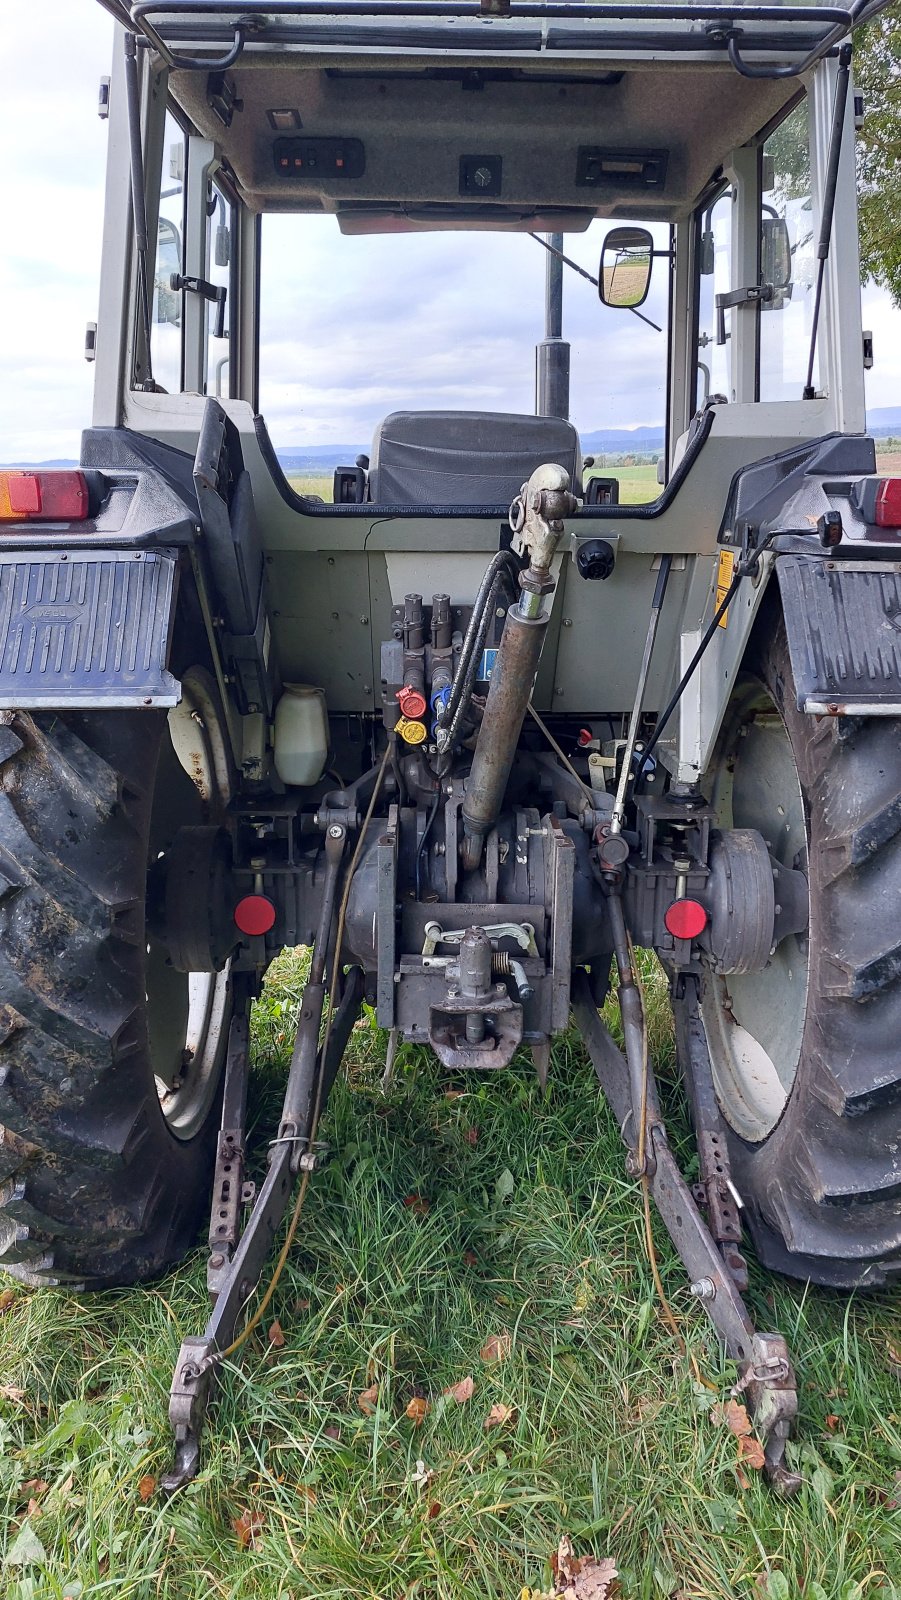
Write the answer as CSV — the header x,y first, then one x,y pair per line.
x,y
625,272
167,301
775,252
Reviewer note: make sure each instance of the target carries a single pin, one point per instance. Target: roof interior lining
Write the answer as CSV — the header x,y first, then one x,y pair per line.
x,y
416,128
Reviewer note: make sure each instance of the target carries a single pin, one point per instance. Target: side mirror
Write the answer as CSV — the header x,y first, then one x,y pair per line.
x,y
167,307
775,252
624,277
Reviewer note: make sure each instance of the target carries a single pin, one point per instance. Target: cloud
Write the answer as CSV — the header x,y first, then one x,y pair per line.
x,y
352,327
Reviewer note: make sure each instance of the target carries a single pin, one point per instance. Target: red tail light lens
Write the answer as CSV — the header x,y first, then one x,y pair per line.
x,y
888,503
43,496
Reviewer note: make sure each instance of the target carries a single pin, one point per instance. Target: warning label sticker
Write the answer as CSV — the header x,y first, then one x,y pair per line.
x,y
723,580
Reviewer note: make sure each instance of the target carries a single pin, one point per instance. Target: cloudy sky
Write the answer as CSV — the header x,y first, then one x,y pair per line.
x,y
353,328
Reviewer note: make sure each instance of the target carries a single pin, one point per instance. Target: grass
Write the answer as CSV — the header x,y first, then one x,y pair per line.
x,y
435,1223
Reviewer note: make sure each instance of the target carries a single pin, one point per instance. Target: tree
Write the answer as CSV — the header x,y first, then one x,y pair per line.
x,y
877,72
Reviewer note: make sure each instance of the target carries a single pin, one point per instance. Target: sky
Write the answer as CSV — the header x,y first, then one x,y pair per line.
x,y
352,328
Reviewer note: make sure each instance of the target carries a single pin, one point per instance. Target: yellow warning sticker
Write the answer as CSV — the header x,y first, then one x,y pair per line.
x,y
723,580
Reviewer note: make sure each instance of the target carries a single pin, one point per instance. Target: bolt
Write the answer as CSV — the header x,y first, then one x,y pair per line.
x,y
336,831
501,611
558,691
500,988
567,622
704,1289
334,616
217,1261
364,620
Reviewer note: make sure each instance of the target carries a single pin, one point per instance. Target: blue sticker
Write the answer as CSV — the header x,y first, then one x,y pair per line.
x,y
486,665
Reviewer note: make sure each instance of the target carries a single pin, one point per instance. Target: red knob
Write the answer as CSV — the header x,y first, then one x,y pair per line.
x,y
255,914
411,702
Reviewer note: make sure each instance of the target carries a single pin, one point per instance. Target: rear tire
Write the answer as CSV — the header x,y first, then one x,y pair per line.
x,y
820,1172
97,1185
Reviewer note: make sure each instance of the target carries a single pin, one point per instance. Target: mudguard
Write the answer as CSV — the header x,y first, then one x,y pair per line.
x,y
843,621
86,628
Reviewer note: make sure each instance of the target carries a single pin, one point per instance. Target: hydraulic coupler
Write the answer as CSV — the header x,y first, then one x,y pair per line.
x,y
536,519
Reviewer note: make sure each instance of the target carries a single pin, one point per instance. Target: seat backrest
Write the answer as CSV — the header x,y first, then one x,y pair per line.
x,y
465,458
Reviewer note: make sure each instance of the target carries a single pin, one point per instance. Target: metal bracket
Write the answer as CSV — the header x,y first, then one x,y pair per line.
x,y
228,1175
765,1369
751,296
715,1191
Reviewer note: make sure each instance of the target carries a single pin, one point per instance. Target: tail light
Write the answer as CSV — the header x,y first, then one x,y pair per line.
x,y
888,503
879,501
60,496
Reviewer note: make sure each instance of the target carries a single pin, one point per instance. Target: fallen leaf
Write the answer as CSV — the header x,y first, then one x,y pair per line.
x,y
472,1136
8,1391
454,1094
894,1354
276,1337
307,1493
433,1511
147,1487
461,1391
735,1418
8,1298
423,1476
581,1577
332,1432
497,1347
416,1203
25,1548
35,1486
833,1422
744,1483
368,1400
498,1415
301,1305
417,1410
247,1526
470,1259
750,1452
34,1508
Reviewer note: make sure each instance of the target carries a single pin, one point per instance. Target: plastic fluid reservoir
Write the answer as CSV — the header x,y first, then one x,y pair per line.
x,y
301,735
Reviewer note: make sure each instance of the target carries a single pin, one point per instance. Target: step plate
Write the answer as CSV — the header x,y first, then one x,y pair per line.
x,y
86,629
844,634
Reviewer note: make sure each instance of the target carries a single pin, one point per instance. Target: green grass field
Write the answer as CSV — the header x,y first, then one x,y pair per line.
x,y
440,1221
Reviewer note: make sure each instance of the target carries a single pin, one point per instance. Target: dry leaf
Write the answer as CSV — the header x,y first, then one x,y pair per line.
x,y
7,1298
332,1432
734,1416
8,1391
307,1493
470,1259
581,1577
417,1203
498,1415
433,1511
368,1400
417,1410
750,1452
497,1348
147,1487
247,1526
833,1422
423,1476
461,1391
35,1486
454,1094
276,1337
472,1136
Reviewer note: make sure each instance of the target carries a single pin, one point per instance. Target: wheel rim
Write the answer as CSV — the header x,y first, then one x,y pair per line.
x,y
187,1012
755,1021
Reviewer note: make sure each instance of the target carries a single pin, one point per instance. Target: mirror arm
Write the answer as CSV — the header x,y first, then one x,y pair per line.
x,y
583,274
753,295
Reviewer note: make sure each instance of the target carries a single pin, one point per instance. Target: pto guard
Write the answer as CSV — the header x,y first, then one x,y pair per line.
x,y
86,629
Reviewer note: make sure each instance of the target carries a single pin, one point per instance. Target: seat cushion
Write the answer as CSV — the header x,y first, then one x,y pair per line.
x,y
465,458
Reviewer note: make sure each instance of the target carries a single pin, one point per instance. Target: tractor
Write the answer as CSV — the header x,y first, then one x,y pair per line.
x,y
473,729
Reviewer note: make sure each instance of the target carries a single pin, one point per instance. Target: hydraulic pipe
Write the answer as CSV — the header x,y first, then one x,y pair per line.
x,y
552,355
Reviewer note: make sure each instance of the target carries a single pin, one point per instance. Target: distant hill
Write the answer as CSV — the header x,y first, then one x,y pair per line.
x,y
882,422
